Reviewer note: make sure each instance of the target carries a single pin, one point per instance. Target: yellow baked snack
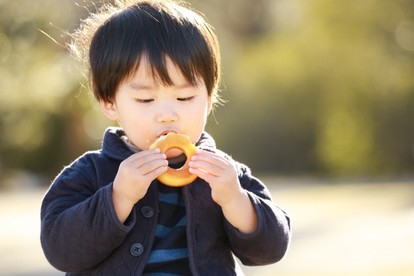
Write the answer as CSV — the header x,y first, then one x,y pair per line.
x,y
181,176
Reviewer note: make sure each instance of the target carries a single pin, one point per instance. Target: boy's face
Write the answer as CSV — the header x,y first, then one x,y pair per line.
x,y
146,109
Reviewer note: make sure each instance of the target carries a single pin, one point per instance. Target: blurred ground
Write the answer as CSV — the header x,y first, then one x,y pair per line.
x,y
341,229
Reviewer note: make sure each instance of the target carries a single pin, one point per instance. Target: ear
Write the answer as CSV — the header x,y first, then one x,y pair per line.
x,y
109,110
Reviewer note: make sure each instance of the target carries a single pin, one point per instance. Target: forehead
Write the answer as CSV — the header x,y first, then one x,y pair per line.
x,y
149,73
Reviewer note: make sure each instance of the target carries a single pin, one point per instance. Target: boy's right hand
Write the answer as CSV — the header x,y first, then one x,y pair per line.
x,y
133,178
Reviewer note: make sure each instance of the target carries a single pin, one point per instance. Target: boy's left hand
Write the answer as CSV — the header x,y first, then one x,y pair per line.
x,y
219,172
226,191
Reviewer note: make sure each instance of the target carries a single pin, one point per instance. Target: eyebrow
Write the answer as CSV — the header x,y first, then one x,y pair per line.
x,y
185,85
139,86
146,86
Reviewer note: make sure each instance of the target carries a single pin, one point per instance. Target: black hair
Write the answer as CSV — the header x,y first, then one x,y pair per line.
x,y
155,29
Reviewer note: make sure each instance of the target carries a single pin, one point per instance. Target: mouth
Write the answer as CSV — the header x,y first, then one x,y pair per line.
x,y
165,132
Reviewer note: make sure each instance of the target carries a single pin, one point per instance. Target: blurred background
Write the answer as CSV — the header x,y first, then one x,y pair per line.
x,y
320,103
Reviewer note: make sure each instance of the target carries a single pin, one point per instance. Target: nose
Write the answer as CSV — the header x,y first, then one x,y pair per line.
x,y
167,113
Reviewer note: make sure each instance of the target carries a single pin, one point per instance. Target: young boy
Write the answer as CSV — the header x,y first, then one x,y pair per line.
x,y
154,68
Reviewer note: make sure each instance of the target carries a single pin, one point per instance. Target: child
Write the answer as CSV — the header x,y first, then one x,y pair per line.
x,y
154,68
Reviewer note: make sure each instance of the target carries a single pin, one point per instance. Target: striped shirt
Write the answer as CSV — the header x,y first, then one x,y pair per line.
x,y
169,255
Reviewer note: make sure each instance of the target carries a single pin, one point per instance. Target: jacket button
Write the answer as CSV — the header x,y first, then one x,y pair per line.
x,y
136,249
147,211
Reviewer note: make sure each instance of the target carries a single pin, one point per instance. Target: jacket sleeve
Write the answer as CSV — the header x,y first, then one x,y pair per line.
x,y
270,241
79,226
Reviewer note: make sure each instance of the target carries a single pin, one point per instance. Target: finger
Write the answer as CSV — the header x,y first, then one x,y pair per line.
x,y
209,178
140,160
211,163
212,158
156,172
206,166
153,165
143,154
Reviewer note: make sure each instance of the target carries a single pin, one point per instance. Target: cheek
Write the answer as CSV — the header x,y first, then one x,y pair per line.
x,y
133,116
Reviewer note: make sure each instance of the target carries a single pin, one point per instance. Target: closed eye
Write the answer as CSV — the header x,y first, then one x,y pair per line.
x,y
144,100
185,99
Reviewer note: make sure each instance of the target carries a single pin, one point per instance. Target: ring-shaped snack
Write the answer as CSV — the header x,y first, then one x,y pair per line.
x,y
181,176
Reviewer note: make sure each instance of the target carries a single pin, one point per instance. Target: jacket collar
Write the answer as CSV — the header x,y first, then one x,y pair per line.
x,y
113,145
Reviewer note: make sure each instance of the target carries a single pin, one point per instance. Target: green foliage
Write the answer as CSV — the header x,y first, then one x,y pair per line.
x,y
314,86
328,90
39,85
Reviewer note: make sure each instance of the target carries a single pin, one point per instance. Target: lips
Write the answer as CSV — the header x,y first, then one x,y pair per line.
x,y
165,132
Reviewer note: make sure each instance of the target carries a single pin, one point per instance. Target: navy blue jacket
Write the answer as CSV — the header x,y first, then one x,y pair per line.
x,y
81,234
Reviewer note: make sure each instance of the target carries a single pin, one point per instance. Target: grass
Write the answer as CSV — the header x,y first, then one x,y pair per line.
x,y
341,229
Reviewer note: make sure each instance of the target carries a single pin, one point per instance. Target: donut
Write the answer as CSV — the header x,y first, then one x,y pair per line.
x,y
181,176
